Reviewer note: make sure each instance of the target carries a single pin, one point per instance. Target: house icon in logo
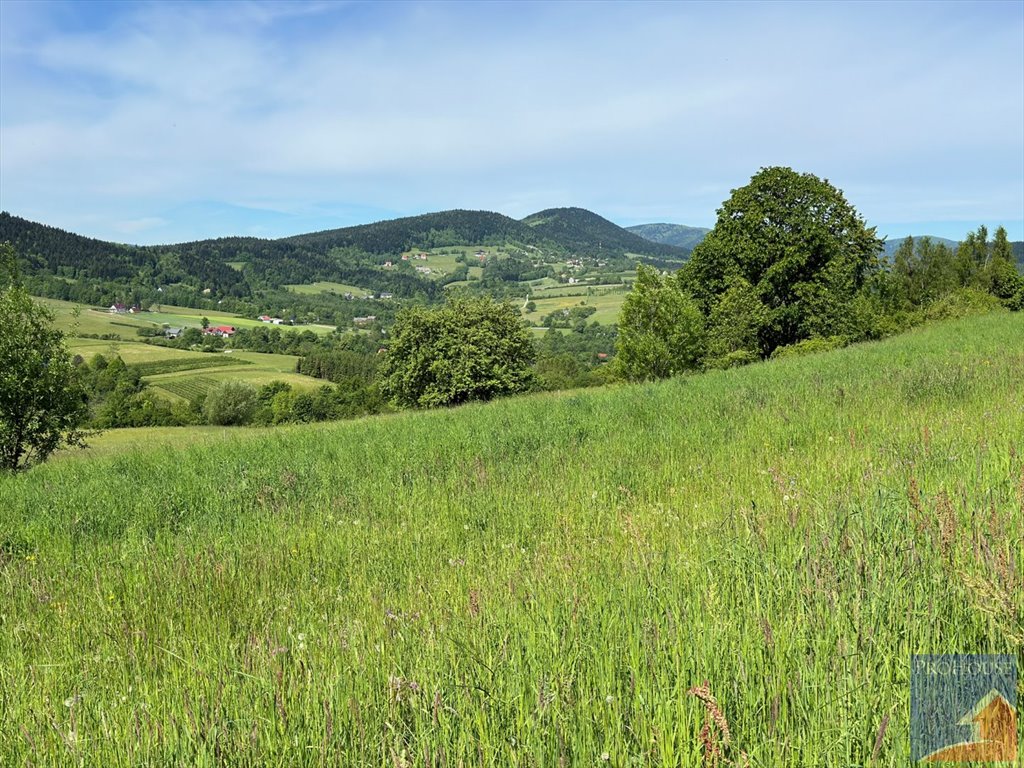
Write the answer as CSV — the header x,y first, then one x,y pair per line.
x,y
993,722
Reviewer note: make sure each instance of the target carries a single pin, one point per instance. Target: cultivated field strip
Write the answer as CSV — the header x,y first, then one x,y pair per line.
x,y
158,367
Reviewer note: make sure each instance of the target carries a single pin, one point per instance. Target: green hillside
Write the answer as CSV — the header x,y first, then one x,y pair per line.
x,y
580,230
538,581
671,234
250,275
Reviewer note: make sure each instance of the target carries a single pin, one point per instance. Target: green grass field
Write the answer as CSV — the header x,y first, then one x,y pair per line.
x,y
180,374
533,582
607,301
77,320
328,287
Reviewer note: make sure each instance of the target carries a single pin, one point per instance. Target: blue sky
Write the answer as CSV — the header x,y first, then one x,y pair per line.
x,y
164,122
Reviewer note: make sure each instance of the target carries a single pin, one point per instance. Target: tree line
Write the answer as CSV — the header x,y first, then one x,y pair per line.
x,y
791,266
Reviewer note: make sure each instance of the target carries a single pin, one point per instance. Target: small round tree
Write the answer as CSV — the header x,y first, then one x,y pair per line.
x,y
661,329
231,403
43,404
469,349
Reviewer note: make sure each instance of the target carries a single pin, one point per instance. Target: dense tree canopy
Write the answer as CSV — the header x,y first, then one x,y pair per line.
x,y
661,330
42,403
469,349
798,243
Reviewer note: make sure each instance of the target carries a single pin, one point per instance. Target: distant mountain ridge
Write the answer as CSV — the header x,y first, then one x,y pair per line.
x,y
891,246
678,235
341,255
238,266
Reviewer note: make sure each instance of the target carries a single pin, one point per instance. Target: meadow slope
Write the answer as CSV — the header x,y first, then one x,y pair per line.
x,y
533,582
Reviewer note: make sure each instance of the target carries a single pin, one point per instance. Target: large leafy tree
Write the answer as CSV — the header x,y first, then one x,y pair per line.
x,y
469,349
801,246
661,329
42,402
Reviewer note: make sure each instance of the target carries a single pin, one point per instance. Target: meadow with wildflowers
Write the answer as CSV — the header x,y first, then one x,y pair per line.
x,y
739,562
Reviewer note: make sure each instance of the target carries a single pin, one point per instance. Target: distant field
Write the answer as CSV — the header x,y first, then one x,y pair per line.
x,y
608,305
534,582
178,373
327,287
133,352
76,319
256,368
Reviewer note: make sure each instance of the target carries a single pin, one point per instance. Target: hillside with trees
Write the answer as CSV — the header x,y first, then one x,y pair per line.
x,y
678,235
581,230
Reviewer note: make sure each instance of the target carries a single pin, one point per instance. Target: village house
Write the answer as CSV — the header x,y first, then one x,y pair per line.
x,y
364,320
224,331
118,309
386,295
172,333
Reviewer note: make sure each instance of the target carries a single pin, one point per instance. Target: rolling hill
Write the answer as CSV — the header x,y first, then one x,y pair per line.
x,y
678,235
581,230
240,265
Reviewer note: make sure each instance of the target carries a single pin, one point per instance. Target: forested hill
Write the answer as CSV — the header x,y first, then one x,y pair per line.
x,y
69,266
581,230
327,255
678,235
430,230
48,250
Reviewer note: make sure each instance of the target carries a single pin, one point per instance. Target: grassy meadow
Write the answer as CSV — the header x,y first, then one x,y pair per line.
x,y
533,582
77,319
607,300
182,374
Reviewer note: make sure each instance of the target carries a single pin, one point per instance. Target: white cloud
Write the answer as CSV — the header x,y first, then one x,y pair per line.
x,y
628,109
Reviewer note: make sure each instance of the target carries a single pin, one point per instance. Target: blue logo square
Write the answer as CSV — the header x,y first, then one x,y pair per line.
x,y
963,708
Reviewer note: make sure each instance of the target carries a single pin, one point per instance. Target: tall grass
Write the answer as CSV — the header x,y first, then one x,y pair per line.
x,y
534,582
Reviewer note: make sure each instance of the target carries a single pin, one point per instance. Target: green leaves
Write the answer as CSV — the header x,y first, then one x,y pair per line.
x,y
42,402
470,349
661,329
796,240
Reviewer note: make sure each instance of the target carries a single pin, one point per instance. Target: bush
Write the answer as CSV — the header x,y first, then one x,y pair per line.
x,y
732,360
961,303
810,347
469,349
230,403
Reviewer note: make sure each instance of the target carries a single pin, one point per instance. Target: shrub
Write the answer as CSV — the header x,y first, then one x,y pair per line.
x,y
230,403
810,347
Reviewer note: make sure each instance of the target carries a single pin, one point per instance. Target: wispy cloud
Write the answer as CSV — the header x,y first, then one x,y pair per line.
x,y
196,117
